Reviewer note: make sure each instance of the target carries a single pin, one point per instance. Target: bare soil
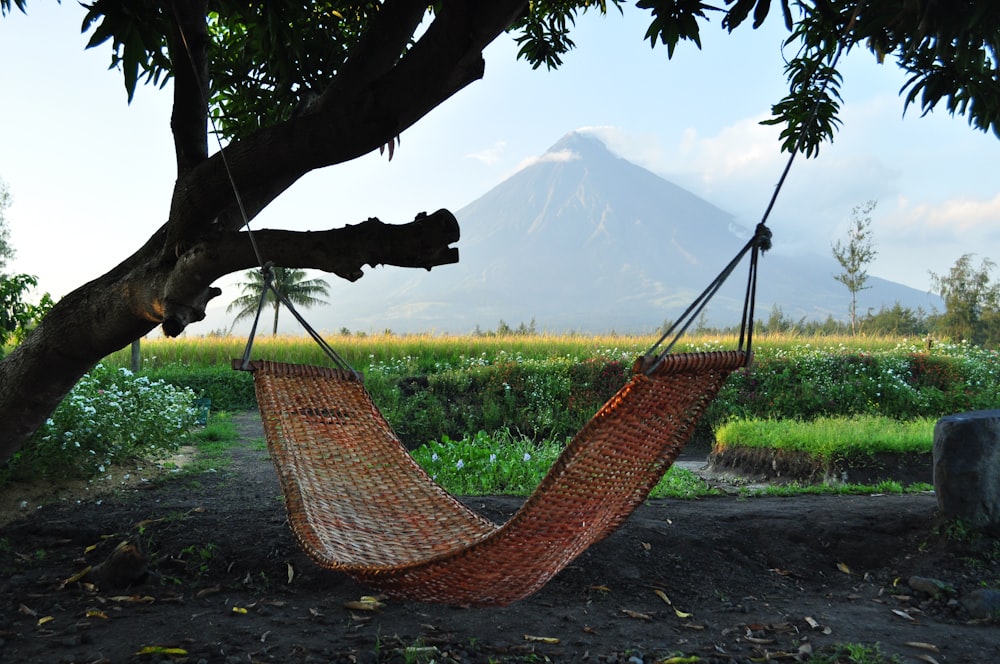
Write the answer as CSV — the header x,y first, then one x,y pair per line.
x,y
761,579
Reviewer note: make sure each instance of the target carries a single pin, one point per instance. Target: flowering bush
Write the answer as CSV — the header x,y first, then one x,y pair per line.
x,y
108,417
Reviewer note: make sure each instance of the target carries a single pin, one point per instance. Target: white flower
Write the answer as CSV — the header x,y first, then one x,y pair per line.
x,y
435,457
527,457
493,458
459,465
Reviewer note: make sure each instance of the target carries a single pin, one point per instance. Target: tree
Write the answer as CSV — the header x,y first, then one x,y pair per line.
x,y
289,282
971,300
294,87
855,256
6,251
17,315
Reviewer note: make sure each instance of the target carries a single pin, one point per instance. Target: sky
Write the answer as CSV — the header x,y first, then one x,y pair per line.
x,y
90,176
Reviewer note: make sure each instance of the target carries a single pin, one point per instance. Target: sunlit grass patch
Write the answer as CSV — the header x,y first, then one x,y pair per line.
x,y
830,438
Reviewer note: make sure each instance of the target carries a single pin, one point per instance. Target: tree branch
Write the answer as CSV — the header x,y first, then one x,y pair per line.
x,y
424,242
354,122
188,40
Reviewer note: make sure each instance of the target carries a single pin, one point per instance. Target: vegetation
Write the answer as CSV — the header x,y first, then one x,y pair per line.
x,y
294,88
17,314
282,284
972,302
830,438
855,256
546,387
111,416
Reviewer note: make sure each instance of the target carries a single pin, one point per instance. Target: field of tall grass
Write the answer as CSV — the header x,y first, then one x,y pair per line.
x,y
426,353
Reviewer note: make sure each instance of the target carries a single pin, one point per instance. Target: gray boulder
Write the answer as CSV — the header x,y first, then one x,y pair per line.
x,y
967,468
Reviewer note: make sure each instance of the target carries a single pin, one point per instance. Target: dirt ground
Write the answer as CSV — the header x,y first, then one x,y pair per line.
x,y
762,579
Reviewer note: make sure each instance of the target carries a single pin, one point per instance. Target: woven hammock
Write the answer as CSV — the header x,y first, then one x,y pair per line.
x,y
358,502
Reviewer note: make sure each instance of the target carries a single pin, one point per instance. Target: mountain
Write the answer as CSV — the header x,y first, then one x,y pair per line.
x,y
583,240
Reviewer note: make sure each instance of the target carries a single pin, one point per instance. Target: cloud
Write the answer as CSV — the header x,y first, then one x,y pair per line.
x,y
490,155
559,156
966,218
642,149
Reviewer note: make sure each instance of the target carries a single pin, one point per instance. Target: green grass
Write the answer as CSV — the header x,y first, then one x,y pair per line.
x,y
213,443
844,489
853,653
830,438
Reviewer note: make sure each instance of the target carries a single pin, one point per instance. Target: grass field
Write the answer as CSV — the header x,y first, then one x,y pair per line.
x,y
426,353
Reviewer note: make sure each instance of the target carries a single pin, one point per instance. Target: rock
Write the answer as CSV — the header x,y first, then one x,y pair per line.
x,y
967,468
928,586
983,603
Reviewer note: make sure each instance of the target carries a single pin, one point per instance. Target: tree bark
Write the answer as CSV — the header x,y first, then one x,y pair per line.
x,y
168,281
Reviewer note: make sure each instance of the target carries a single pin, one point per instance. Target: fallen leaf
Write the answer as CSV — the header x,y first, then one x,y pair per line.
x,y
291,573
205,592
927,658
161,650
96,613
239,610
89,549
76,577
45,619
680,660
817,627
758,641
903,614
364,604
662,595
647,546
844,568
923,645
541,639
26,611
140,599
637,615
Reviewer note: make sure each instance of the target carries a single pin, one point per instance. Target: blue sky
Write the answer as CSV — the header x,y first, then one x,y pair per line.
x,y
90,176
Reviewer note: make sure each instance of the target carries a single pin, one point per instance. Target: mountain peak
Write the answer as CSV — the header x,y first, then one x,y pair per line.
x,y
583,145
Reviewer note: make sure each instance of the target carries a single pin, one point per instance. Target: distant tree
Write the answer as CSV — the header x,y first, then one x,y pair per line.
x,y
897,320
6,251
290,282
972,301
854,257
17,315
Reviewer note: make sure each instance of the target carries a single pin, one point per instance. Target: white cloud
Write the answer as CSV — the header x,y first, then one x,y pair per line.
x,y
559,156
490,155
643,149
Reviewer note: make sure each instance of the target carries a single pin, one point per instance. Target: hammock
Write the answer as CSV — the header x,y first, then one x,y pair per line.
x,y
358,502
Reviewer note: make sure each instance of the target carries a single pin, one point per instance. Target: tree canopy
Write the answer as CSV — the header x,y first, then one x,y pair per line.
x,y
296,86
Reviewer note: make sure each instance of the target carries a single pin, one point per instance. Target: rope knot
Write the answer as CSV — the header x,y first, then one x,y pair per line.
x,y
762,237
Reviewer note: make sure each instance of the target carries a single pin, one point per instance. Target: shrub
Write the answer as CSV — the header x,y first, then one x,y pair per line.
x,y
110,416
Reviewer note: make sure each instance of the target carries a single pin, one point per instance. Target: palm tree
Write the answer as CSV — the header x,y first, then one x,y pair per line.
x,y
290,282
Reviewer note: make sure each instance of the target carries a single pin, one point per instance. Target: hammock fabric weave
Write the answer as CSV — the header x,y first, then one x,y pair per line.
x,y
358,503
